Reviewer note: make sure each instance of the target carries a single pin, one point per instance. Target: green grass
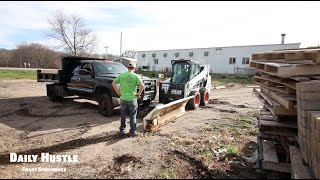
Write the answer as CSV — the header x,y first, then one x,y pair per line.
x,y
225,79
169,173
233,151
18,74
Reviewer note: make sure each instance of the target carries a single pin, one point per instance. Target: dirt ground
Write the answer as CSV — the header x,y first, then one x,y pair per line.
x,y
215,141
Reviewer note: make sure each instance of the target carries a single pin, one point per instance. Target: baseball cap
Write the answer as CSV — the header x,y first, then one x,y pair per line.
x,y
132,65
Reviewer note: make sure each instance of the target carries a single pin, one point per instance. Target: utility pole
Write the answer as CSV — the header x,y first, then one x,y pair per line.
x,y
106,51
20,59
120,47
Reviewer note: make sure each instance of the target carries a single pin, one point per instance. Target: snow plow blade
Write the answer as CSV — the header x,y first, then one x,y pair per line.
x,y
164,113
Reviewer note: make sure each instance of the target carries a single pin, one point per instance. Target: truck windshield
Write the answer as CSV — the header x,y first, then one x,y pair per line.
x,y
109,68
180,73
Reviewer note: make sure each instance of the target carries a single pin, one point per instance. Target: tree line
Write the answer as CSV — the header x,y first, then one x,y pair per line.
x,y
73,38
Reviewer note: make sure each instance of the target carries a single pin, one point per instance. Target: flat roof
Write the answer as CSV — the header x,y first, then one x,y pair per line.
x,y
224,47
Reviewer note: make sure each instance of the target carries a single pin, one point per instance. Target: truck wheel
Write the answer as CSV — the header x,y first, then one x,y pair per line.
x,y
204,97
105,105
52,95
59,98
194,102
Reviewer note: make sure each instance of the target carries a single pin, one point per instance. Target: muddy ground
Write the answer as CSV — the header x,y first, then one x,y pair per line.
x,y
215,141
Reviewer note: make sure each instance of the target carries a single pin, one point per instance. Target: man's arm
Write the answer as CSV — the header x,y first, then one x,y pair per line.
x,y
115,87
141,88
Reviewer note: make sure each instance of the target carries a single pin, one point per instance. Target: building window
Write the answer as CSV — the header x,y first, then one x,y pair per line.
x,y
177,54
218,51
190,54
145,67
245,60
165,54
232,60
206,53
156,61
153,54
143,55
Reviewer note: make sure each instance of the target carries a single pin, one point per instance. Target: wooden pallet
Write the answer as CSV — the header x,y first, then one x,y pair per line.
x,y
272,81
287,101
275,108
289,55
285,69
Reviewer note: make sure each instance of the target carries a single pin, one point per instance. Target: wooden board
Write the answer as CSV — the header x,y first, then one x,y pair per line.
x,y
287,101
281,132
274,107
289,55
309,86
272,81
285,70
280,167
269,151
298,170
277,124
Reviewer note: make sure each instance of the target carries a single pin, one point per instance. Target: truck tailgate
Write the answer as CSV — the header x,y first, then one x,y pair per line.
x,y
47,75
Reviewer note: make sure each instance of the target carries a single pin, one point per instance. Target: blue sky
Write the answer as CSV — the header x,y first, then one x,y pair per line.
x,y
167,25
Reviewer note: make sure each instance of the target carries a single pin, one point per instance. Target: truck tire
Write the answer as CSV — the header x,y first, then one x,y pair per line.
x,y
52,94
59,98
204,97
105,105
194,102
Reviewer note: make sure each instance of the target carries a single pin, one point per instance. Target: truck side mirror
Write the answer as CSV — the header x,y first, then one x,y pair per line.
x,y
83,72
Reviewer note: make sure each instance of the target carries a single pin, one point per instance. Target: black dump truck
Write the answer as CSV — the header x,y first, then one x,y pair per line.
x,y
91,78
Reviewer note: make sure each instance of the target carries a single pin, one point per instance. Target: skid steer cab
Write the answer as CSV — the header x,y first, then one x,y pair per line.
x,y
187,79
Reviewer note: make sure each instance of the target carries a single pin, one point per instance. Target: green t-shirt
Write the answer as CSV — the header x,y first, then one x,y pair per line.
x,y
128,85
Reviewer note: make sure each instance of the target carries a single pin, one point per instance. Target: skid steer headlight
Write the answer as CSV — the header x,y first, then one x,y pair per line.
x,y
187,85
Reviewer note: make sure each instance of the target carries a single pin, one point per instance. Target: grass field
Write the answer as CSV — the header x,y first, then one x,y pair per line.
x,y
18,74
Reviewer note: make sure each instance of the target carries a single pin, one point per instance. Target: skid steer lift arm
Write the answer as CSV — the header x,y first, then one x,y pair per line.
x,y
164,113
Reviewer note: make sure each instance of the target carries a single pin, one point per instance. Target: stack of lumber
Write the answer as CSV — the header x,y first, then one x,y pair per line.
x,y
308,106
284,115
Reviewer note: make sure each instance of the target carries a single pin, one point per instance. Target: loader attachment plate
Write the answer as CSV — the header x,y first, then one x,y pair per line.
x,y
164,113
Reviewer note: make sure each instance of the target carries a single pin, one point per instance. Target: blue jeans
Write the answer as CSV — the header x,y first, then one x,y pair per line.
x,y
132,108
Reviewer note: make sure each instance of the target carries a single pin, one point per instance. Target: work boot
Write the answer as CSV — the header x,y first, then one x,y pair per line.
x,y
133,134
122,134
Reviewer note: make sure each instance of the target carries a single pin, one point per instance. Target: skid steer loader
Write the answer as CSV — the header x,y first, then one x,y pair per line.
x,y
189,86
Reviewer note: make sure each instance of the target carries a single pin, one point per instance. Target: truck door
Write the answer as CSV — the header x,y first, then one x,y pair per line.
x,y
82,82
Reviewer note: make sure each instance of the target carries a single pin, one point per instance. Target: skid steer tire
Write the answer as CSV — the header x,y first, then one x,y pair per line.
x,y
194,102
204,97
105,105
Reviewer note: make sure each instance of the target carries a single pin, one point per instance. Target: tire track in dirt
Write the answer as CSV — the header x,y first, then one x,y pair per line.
x,y
201,170
217,101
122,165
26,112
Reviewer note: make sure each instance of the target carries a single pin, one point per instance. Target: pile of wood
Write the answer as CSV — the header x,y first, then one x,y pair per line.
x,y
288,80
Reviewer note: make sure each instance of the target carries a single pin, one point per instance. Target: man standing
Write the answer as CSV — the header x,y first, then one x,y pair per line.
x,y
128,96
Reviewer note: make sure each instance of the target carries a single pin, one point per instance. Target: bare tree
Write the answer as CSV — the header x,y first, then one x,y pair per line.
x,y
5,56
38,55
130,53
71,33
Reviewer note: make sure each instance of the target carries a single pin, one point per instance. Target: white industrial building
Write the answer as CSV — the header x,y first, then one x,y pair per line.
x,y
222,60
